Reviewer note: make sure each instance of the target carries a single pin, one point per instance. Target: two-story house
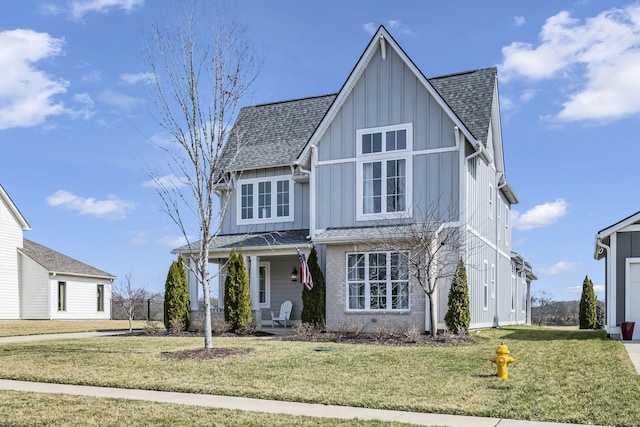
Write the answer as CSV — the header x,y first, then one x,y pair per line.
x,y
333,170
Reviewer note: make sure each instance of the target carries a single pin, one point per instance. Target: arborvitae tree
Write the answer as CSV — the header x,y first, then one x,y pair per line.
x,y
600,322
237,297
176,296
458,316
587,305
313,301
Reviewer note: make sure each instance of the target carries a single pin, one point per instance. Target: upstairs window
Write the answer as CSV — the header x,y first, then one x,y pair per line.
x,y
384,172
265,200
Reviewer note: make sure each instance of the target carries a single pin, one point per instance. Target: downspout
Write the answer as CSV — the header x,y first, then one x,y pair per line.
x,y
312,193
427,308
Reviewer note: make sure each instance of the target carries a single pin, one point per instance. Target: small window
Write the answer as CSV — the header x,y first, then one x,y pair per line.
x,y
100,297
264,291
485,285
490,201
507,235
62,296
263,200
493,280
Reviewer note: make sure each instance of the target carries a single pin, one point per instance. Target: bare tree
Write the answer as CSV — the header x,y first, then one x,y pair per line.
x,y
543,304
201,69
432,247
129,297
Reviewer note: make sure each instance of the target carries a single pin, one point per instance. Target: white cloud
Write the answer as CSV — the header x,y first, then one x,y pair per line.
x,y
370,28
111,208
166,181
85,109
539,216
136,78
528,95
599,56
519,21
92,76
598,289
560,268
79,8
162,140
172,241
120,100
27,94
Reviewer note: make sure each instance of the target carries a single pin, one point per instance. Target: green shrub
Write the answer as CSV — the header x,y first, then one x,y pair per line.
x,y
458,315
176,296
587,314
600,321
237,297
313,301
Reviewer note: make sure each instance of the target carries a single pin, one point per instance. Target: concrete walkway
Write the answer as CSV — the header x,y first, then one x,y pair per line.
x,y
633,350
271,406
67,336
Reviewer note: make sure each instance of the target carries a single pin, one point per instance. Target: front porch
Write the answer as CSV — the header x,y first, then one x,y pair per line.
x,y
273,268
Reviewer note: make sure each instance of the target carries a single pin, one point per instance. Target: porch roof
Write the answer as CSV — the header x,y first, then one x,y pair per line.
x,y
269,241
603,236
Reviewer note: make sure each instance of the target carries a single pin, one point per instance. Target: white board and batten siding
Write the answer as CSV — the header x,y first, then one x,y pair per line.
x,y
10,239
81,295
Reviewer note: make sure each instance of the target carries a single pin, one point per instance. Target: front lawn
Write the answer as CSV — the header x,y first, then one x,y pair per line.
x,y
563,376
12,328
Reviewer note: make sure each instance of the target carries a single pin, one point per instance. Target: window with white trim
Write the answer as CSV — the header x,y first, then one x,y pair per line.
x,y
490,201
384,171
265,200
507,235
264,288
485,285
378,281
493,280
513,288
524,296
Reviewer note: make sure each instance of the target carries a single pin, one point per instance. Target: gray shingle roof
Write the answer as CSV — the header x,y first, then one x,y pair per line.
x,y
254,240
470,95
56,262
273,134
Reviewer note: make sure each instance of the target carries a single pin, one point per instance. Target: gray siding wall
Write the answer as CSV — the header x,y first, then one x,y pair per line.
x,y
628,246
300,206
282,288
387,93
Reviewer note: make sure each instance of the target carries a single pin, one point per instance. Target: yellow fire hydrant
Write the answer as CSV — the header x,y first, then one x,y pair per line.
x,y
502,361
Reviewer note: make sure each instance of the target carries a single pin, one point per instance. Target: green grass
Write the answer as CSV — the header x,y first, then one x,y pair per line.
x,y
11,328
35,409
559,375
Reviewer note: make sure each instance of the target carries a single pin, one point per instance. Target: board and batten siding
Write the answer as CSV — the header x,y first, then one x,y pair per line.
x,y
82,302
627,246
387,93
10,241
300,205
34,290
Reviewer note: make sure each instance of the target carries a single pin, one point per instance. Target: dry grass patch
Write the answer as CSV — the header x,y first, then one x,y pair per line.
x,y
38,409
11,328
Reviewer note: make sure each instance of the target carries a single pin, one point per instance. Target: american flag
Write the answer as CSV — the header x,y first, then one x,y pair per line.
x,y
305,274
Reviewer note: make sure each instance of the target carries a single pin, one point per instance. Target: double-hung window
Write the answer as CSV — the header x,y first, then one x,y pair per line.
x,y
265,200
378,281
384,172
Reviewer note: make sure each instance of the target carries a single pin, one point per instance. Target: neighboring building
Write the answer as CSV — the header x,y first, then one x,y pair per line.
x,y
39,283
335,170
619,245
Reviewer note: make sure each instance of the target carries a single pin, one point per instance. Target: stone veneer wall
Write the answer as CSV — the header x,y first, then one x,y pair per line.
x,y
337,315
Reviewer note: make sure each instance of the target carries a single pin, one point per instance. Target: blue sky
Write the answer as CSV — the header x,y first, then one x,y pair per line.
x,y
75,128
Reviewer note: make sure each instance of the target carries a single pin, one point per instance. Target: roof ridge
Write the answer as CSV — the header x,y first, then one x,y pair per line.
x,y
461,73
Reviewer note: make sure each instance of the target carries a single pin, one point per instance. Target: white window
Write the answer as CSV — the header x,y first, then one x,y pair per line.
x,y
265,200
384,172
524,296
264,288
490,201
507,235
378,281
513,289
493,280
485,285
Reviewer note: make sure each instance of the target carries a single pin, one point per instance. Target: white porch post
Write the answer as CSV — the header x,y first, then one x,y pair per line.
x,y
193,285
254,279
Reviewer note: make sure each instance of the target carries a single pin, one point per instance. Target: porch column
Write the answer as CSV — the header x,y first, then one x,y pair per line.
x,y
193,285
254,281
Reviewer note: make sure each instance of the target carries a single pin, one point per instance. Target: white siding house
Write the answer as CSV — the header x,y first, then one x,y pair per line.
x,y
39,283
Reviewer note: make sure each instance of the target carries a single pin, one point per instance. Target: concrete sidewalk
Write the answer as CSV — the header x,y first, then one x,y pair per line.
x,y
70,335
271,406
633,350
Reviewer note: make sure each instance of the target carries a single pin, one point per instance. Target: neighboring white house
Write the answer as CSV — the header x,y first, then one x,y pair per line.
x,y
333,171
619,245
39,283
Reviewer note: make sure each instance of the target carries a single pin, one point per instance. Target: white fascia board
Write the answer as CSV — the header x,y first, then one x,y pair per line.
x,y
14,210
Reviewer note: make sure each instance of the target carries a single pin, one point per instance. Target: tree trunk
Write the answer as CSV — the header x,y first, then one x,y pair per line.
x,y
432,316
206,295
